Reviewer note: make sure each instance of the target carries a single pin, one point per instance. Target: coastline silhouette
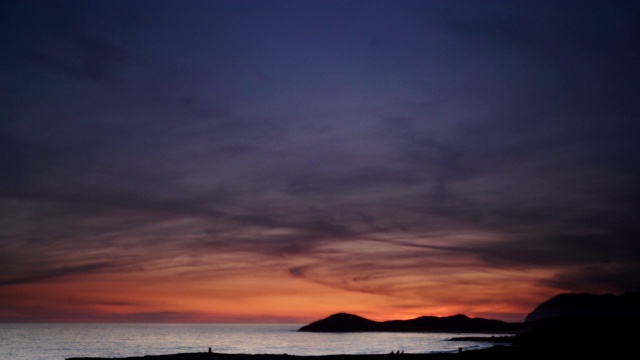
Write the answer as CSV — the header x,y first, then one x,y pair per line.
x,y
567,325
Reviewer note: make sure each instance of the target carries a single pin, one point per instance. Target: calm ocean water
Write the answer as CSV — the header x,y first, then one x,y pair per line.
x,y
61,341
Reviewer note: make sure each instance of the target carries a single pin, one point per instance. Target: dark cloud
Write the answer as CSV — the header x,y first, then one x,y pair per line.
x,y
614,278
55,273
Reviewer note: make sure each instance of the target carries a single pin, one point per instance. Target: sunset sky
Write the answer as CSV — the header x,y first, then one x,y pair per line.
x,y
281,161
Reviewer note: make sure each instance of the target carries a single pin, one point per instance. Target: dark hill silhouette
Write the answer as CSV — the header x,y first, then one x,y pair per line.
x,y
460,323
455,324
342,322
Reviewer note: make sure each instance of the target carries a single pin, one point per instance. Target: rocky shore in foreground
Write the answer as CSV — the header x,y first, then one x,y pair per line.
x,y
497,352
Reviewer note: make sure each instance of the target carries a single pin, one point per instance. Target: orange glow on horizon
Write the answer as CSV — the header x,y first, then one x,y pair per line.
x,y
245,287
244,299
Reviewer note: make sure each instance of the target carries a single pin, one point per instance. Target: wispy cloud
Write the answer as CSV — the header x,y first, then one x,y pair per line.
x,y
53,274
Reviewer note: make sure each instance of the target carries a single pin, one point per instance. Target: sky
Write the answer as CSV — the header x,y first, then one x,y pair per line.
x,y
282,161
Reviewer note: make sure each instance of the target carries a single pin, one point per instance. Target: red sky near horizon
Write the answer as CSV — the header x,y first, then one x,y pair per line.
x,y
282,161
245,287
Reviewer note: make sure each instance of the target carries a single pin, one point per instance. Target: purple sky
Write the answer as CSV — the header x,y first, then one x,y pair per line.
x,y
385,148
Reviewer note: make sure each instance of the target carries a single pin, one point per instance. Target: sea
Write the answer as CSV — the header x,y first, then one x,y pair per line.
x,y
55,341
